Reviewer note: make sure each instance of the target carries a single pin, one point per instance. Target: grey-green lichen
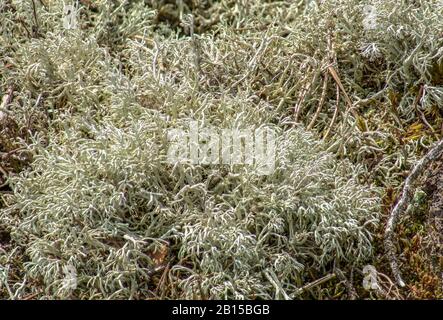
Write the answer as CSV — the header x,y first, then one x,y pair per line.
x,y
90,187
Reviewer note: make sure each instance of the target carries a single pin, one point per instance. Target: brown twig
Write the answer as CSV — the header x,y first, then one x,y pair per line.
x,y
20,20
317,282
31,296
420,96
162,280
342,88
348,284
332,57
34,10
88,3
387,293
5,155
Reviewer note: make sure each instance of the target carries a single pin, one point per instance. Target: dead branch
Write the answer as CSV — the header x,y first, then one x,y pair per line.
x,y
317,282
321,102
336,77
7,98
334,117
402,205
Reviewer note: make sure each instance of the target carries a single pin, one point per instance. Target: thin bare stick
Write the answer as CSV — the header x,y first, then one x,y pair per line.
x,y
321,102
331,59
342,88
402,205
5,175
20,20
317,282
7,98
302,96
348,284
420,96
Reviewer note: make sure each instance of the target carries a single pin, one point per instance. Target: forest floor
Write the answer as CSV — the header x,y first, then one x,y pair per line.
x,y
90,208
